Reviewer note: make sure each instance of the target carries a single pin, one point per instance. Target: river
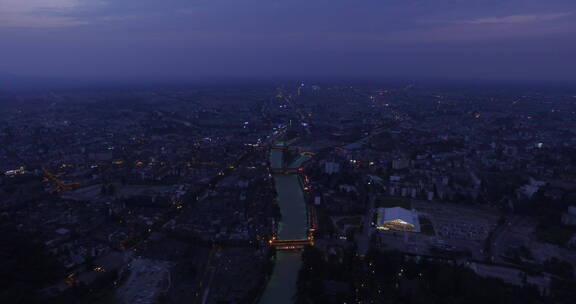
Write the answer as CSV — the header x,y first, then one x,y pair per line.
x,y
281,287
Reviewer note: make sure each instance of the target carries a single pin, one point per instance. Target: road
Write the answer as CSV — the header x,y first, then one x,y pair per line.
x,y
490,249
208,271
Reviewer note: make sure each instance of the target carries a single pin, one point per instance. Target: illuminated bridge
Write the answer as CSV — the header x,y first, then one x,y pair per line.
x,y
299,243
284,170
291,244
292,148
294,244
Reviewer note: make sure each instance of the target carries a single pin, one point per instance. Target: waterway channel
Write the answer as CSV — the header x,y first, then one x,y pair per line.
x,y
281,287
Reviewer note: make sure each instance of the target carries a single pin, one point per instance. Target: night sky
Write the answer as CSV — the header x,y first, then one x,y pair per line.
x,y
159,39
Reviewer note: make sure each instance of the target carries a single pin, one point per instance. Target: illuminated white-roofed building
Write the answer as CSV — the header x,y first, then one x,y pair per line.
x,y
397,218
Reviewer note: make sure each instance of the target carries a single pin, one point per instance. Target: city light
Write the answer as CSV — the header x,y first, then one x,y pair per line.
x,y
99,269
15,172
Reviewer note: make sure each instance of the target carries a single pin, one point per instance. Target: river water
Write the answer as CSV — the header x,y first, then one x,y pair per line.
x,y
281,287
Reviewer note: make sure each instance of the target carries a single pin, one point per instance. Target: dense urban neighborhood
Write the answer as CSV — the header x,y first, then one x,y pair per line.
x,y
296,191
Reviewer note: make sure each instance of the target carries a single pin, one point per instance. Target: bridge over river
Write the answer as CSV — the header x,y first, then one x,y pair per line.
x,y
293,230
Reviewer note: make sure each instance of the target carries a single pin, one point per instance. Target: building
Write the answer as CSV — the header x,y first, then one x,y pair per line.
x,y
399,164
331,167
397,218
148,280
569,217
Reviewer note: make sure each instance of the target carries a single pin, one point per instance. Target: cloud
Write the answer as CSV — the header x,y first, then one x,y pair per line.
x,y
515,19
36,13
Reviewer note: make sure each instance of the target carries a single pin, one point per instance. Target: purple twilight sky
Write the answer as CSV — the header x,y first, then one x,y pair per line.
x,y
156,39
